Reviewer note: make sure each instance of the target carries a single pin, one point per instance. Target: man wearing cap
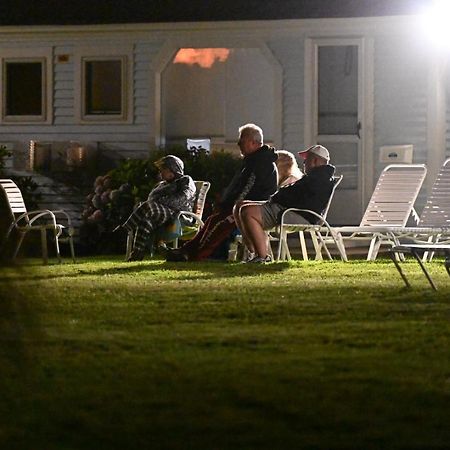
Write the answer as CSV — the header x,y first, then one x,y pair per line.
x,y
312,192
175,193
257,180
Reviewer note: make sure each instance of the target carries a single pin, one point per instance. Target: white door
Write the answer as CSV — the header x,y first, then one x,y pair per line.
x,y
339,119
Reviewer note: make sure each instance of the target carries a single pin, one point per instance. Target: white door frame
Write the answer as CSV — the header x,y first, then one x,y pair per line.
x,y
365,103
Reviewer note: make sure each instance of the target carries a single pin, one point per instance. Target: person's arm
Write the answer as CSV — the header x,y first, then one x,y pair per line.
x,y
182,195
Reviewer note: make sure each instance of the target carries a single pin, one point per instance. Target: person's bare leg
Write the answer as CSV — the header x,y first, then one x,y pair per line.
x,y
237,215
251,221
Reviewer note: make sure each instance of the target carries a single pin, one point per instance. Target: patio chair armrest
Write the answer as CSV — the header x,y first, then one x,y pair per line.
x,y
194,216
300,210
37,214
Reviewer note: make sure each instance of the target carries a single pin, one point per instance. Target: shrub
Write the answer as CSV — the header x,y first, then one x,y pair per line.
x,y
116,193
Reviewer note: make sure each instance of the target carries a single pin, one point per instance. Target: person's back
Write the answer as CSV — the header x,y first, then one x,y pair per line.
x,y
312,191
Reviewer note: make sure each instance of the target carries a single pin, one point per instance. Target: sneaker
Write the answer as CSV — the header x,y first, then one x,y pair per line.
x,y
248,257
260,260
176,256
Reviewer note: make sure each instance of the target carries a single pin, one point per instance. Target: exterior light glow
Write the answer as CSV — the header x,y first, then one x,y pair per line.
x,y
436,21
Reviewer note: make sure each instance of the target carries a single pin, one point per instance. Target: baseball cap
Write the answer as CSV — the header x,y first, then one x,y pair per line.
x,y
318,150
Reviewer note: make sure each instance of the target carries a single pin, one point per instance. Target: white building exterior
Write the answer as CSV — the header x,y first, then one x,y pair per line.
x,y
395,90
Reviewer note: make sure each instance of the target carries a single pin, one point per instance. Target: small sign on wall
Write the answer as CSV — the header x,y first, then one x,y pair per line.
x,y
396,154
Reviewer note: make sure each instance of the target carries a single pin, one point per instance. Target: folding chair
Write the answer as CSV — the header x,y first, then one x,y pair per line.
x,y
288,226
24,221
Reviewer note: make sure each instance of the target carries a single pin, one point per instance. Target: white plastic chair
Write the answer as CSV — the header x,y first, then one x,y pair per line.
x,y
287,227
24,221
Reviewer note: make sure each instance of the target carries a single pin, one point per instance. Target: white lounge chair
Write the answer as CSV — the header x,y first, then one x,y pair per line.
x,y
434,223
24,221
391,205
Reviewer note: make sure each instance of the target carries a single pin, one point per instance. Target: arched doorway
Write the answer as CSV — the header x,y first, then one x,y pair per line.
x,y
210,92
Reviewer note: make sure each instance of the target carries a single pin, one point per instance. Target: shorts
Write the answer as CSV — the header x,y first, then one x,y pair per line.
x,y
271,215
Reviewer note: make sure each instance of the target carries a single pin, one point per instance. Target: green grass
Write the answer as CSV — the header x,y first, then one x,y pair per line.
x,y
104,354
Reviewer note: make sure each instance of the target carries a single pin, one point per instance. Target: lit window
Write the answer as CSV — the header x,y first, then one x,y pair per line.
x,y
24,90
104,88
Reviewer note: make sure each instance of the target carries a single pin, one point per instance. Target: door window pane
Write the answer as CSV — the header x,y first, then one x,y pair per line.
x,y
338,89
24,88
103,81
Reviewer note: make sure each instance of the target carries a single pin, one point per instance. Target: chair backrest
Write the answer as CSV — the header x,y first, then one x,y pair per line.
x,y
202,188
336,183
392,201
13,196
437,209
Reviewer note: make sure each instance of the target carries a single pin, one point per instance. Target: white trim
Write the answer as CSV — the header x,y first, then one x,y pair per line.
x,y
29,54
436,117
124,53
354,25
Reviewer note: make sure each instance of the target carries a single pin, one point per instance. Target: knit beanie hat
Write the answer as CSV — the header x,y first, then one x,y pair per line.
x,y
171,162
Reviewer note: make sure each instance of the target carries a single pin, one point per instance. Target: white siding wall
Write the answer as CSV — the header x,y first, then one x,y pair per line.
x,y
130,139
290,54
400,84
401,89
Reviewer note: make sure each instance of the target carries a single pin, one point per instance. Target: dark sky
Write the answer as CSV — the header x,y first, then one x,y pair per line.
x,y
55,12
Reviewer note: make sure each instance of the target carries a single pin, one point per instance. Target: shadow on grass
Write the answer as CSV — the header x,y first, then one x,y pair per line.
x,y
214,269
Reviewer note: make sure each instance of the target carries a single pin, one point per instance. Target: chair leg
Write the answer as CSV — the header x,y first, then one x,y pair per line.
x,y
58,253
19,243
130,238
285,253
317,248
280,245
322,244
301,237
372,248
338,239
44,245
72,250
269,247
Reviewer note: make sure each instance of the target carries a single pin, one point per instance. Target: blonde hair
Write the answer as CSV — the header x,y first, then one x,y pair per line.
x,y
287,167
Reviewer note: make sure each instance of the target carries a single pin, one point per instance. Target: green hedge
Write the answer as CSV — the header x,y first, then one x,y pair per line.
x,y
115,193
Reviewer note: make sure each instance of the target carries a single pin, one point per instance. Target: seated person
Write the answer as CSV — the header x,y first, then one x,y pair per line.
x,y
288,170
257,180
175,193
288,173
312,192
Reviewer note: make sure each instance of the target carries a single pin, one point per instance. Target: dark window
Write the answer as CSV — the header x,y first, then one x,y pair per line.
x,y
24,88
103,94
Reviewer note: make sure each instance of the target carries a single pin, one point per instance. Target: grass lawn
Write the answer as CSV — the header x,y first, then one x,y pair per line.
x,y
104,354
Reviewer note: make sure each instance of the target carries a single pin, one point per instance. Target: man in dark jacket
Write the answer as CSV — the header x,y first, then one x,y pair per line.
x,y
257,180
310,192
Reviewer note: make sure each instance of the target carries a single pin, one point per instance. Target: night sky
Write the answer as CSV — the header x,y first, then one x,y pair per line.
x,y
77,12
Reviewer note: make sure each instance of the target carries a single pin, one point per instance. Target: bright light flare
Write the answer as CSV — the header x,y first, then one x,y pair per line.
x,y
436,22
